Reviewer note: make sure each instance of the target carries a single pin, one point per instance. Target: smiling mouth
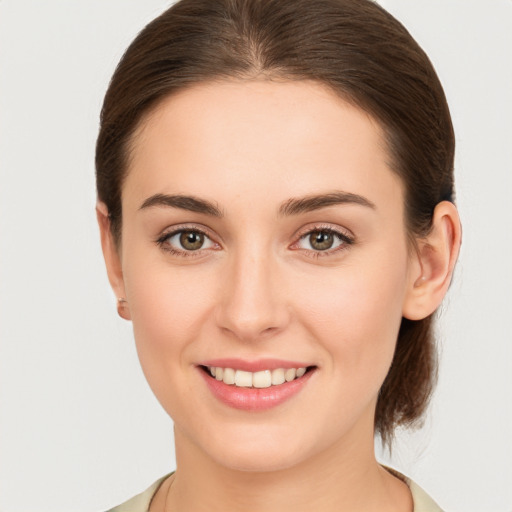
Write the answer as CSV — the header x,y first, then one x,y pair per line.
x,y
259,380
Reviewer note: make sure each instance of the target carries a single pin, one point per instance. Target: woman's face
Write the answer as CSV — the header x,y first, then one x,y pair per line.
x,y
263,230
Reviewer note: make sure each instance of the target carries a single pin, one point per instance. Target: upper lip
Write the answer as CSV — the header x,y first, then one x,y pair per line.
x,y
253,366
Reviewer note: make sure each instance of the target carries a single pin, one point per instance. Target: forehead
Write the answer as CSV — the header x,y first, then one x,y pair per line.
x,y
248,138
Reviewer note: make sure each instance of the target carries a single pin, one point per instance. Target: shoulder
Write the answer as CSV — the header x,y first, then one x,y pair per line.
x,y
421,500
141,502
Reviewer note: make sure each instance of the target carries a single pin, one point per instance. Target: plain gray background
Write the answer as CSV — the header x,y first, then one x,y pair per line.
x,y
79,427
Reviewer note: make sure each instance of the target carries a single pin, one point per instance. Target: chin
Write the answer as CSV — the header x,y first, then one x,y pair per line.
x,y
260,453
261,462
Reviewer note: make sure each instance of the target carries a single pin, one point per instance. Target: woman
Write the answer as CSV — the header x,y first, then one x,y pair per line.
x,y
275,200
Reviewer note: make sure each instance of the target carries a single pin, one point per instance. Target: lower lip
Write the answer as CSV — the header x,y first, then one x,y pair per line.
x,y
255,399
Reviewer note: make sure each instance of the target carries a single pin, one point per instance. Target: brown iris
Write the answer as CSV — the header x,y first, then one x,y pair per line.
x,y
191,240
321,240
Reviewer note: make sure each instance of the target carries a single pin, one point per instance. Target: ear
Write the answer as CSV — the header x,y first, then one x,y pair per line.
x,y
112,260
433,263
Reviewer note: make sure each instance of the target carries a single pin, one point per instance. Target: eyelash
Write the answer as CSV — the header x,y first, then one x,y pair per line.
x,y
345,239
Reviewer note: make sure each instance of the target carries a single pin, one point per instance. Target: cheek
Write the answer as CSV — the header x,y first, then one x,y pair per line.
x,y
168,311
356,314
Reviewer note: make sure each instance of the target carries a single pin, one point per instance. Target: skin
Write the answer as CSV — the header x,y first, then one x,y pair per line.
x,y
259,289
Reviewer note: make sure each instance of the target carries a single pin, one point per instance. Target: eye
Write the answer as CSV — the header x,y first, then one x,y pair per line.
x,y
185,240
323,240
191,240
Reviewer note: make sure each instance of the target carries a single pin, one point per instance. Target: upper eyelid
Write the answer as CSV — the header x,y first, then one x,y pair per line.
x,y
173,230
344,232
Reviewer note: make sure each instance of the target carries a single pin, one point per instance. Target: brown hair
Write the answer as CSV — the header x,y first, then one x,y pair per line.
x,y
356,48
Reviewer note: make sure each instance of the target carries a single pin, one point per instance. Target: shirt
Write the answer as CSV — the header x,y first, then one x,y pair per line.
x,y
140,503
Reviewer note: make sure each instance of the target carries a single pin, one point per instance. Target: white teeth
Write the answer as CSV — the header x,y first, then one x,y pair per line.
x,y
229,376
301,372
290,374
243,379
261,379
278,376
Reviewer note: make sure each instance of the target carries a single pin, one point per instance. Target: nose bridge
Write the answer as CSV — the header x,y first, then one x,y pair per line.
x,y
252,305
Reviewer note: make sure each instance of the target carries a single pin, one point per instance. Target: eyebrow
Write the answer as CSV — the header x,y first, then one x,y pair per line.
x,y
296,206
190,203
293,206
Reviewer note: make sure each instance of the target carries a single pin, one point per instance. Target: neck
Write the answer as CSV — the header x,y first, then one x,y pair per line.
x,y
342,478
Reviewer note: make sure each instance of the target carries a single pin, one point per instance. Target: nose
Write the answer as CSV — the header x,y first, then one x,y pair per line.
x,y
253,304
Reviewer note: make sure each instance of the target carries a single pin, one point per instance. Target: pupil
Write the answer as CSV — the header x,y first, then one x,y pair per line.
x,y
191,241
321,240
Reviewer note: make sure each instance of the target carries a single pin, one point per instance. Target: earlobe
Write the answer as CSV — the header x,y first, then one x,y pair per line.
x,y
112,260
435,258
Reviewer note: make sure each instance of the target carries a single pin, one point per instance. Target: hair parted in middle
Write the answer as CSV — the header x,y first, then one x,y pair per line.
x,y
355,48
